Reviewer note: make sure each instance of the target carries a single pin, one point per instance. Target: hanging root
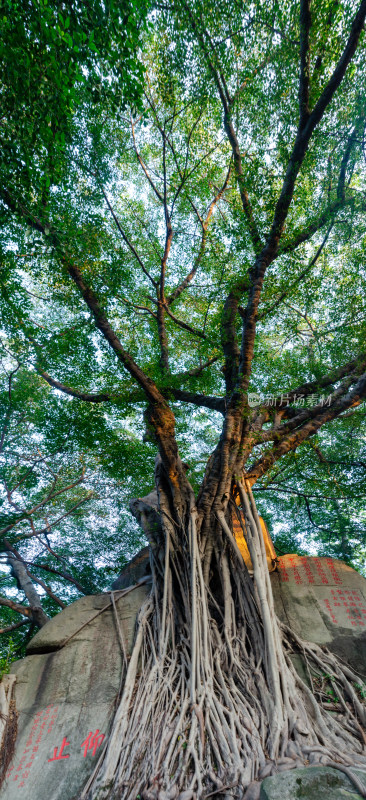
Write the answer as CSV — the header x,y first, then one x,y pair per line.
x,y
212,703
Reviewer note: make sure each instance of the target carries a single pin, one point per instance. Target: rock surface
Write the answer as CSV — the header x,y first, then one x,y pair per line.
x,y
137,568
65,694
311,783
324,601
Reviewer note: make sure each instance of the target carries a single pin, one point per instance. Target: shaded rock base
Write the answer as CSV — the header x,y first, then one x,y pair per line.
x,y
312,783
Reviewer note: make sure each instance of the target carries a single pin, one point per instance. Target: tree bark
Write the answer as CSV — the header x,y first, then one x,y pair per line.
x,y
25,584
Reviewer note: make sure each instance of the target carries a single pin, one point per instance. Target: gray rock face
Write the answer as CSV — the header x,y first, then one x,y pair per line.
x,y
137,568
65,694
323,601
311,783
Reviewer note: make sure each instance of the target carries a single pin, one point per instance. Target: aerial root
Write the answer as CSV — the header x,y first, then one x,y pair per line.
x,y
212,703
164,747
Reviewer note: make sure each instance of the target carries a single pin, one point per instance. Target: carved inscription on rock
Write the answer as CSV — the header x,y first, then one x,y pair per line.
x,y
335,587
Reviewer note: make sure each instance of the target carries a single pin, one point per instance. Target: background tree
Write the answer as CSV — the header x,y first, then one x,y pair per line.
x,y
60,520
197,253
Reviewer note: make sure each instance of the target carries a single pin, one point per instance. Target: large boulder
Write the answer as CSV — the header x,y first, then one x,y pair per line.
x,y
65,694
324,601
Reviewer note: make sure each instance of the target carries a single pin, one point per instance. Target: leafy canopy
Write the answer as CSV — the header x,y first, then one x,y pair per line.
x,y
143,161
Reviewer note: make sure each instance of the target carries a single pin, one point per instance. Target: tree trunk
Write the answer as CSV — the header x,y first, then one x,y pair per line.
x,y
25,584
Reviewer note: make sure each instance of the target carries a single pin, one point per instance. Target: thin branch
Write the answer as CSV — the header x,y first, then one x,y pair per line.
x,y
15,626
127,241
87,397
196,371
51,525
304,234
204,223
226,101
299,278
137,307
141,162
182,324
61,574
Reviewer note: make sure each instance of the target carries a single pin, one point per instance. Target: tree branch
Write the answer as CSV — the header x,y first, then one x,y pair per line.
x,y
304,83
88,397
16,624
142,164
25,584
309,428
204,223
61,574
215,403
24,610
301,275
270,250
179,322
196,371
127,241
51,524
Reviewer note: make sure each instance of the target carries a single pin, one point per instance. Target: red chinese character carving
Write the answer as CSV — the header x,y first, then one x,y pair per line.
x,y
61,753
92,742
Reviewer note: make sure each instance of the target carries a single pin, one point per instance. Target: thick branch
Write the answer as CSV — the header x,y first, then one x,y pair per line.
x,y
24,610
229,338
88,397
215,403
293,440
356,365
25,584
304,83
106,329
